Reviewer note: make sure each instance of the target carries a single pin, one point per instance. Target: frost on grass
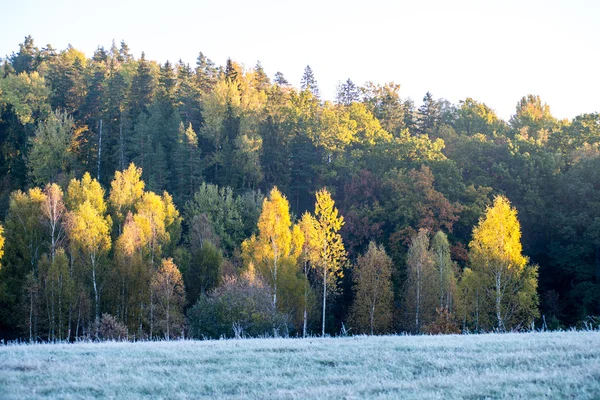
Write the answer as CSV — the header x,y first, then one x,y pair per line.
x,y
533,365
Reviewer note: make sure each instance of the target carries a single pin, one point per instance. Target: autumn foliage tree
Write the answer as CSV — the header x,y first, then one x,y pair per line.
x,y
309,257
373,302
169,298
419,295
89,231
276,241
332,252
503,275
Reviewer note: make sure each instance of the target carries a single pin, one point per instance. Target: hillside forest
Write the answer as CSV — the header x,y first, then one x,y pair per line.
x,y
142,200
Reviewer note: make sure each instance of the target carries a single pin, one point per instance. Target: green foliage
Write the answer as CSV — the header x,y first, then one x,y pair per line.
x,y
240,307
218,205
51,155
27,95
394,169
203,271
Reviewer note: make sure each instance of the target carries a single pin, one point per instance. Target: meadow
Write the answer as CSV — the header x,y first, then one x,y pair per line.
x,y
515,365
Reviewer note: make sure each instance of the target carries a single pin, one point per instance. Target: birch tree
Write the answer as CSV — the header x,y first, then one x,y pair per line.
x,y
276,241
309,257
54,212
168,298
508,281
372,309
332,252
420,296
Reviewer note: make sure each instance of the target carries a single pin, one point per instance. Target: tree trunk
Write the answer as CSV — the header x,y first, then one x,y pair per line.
x,y
418,298
99,150
121,144
324,296
96,296
499,301
305,316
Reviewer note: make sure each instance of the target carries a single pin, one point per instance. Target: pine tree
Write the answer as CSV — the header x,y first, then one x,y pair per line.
x,y
262,80
429,114
26,59
308,82
206,74
280,79
347,93
142,88
231,72
188,164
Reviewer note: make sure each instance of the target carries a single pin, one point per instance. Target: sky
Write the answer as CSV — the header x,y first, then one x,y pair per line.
x,y
492,51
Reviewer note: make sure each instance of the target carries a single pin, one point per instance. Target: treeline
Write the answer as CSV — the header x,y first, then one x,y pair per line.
x,y
412,184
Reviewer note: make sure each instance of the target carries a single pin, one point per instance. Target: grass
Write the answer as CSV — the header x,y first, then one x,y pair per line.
x,y
528,365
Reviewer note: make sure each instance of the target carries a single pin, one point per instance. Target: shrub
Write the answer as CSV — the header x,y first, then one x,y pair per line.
x,y
240,307
443,324
109,328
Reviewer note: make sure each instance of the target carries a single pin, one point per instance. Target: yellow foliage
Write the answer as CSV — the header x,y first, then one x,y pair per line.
x,y
126,190
311,247
348,126
332,252
240,98
86,190
277,241
89,231
497,237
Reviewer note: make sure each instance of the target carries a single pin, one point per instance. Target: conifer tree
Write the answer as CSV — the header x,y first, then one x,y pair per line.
x,y
280,79
262,80
347,93
308,82
429,114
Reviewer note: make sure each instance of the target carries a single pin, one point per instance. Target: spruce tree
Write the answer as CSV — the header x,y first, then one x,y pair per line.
x,y
347,93
308,81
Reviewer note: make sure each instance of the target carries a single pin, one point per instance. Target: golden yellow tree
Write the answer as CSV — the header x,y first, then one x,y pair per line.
x,y
373,303
89,232
332,252
155,217
310,256
133,274
168,297
86,189
509,284
277,240
126,190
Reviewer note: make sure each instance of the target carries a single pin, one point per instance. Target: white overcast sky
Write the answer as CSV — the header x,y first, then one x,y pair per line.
x,y
493,51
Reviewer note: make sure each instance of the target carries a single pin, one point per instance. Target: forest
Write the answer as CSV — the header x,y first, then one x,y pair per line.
x,y
141,200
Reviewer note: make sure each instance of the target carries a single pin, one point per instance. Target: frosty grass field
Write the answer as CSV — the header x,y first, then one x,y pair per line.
x,y
530,365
